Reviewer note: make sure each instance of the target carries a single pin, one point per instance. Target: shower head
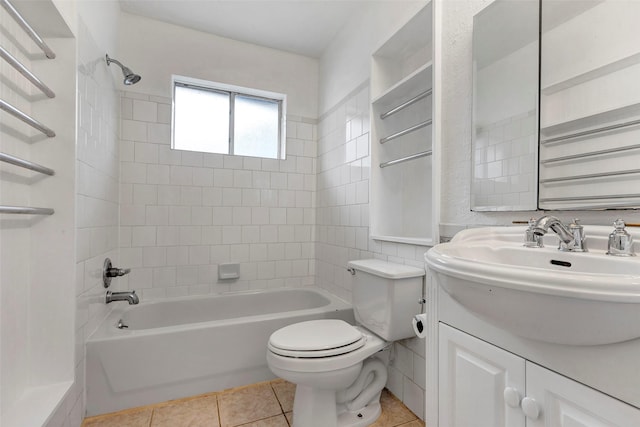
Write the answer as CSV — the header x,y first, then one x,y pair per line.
x,y
130,78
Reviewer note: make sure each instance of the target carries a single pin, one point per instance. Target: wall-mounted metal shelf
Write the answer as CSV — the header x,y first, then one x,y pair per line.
x,y
27,28
406,159
26,164
406,131
25,210
590,132
26,73
406,104
5,106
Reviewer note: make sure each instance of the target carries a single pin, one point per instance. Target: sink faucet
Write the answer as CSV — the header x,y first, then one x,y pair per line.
x,y
130,297
571,237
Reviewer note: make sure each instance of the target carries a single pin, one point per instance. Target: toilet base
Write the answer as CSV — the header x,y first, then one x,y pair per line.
x,y
362,418
325,413
356,406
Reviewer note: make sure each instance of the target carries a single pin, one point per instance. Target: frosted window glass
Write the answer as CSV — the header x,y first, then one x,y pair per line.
x,y
201,120
256,127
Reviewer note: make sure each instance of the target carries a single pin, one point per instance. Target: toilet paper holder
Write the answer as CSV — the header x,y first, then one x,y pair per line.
x,y
419,321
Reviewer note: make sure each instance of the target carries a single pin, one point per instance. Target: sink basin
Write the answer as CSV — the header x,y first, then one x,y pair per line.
x,y
572,298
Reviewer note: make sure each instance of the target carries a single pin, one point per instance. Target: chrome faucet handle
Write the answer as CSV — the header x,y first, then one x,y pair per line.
x,y
620,241
115,272
579,238
531,239
109,272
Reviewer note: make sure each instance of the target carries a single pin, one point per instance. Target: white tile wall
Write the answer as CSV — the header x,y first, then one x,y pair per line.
x,y
343,229
97,170
183,213
503,164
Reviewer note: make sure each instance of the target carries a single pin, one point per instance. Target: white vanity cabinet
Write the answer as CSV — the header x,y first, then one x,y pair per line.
x,y
474,376
482,385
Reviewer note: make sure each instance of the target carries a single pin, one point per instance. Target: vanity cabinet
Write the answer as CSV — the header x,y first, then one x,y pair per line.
x,y
484,385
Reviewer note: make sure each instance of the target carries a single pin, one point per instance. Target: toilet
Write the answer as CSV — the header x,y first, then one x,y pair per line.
x,y
333,364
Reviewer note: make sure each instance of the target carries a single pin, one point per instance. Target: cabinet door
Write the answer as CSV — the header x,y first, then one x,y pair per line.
x,y
480,385
562,402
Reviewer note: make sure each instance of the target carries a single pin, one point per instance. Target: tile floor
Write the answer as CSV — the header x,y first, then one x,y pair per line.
x,y
266,404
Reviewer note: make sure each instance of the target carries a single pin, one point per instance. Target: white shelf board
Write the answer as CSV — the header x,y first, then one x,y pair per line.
x,y
410,37
411,85
419,241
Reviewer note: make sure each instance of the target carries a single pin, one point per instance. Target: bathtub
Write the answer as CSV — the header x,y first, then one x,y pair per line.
x,y
187,346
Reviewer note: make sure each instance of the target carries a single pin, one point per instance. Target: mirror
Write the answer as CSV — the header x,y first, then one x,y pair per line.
x,y
590,105
505,106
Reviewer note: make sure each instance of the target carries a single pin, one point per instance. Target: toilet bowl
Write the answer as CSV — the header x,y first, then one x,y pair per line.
x,y
333,364
338,382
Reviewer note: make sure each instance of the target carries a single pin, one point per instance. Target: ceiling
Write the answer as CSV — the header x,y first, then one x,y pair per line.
x,y
305,27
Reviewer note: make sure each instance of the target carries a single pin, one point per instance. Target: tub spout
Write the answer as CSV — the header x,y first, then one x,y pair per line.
x,y
130,297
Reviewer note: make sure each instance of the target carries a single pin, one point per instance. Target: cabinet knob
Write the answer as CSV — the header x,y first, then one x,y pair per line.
x,y
511,397
530,408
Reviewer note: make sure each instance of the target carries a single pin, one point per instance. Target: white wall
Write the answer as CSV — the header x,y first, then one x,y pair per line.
x,y
155,50
346,63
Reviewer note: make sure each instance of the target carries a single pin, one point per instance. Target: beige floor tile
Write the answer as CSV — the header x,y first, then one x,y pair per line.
x,y
196,412
285,391
415,423
128,418
279,421
289,416
248,404
394,413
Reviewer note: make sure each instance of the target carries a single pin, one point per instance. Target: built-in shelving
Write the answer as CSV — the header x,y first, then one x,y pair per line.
x,y
407,86
401,135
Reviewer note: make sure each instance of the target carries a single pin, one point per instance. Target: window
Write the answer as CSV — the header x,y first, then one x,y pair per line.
x,y
217,118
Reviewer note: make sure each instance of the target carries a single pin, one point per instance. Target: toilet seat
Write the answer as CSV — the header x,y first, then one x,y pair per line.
x,y
316,339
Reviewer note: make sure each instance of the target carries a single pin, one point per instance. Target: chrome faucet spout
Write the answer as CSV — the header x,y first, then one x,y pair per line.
x,y
130,297
542,226
572,238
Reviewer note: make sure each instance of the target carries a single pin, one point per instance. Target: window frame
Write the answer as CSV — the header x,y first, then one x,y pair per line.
x,y
232,91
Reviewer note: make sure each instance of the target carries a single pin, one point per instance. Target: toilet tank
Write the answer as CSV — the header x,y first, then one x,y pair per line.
x,y
386,297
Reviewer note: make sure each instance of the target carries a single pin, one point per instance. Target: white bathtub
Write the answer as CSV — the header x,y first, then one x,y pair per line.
x,y
187,346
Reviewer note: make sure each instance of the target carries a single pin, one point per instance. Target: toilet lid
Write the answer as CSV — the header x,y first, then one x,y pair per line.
x,y
316,338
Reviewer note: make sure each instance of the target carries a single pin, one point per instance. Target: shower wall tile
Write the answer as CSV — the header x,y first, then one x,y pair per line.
x,y
97,205
342,230
183,213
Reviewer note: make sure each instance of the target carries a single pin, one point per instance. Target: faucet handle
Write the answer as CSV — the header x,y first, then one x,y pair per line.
x,y
620,241
531,239
578,244
116,272
109,272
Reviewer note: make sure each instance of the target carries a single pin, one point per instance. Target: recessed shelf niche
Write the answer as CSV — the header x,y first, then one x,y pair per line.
x,y
401,134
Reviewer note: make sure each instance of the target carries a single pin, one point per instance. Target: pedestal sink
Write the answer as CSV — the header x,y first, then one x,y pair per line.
x,y
569,298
